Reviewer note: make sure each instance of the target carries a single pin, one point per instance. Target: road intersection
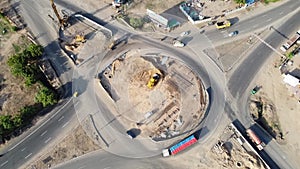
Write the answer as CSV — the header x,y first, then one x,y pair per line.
x,y
214,80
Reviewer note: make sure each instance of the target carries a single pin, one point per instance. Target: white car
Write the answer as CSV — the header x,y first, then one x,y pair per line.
x,y
177,43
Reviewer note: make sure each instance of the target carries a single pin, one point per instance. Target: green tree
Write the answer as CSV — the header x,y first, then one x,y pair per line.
x,y
136,22
6,122
35,50
17,120
46,97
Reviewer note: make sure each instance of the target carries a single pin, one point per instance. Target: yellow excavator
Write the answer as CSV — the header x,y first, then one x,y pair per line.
x,y
62,21
153,80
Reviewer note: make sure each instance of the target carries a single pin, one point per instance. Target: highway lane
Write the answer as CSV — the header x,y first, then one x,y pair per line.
x,y
239,85
247,70
45,30
254,23
18,154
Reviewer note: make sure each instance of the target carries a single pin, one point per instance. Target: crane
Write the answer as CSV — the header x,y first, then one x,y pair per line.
x,y
62,21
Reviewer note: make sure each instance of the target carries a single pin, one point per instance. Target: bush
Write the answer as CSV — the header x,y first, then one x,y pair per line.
x,y
240,1
136,22
24,63
46,97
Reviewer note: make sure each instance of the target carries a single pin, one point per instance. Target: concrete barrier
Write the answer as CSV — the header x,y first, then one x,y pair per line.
x,y
102,27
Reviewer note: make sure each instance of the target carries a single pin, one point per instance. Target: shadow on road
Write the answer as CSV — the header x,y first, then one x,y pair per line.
x,y
80,85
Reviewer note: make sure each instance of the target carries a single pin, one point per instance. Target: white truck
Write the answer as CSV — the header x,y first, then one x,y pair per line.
x,y
290,42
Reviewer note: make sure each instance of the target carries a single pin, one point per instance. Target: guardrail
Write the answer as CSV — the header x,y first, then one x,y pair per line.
x,y
102,27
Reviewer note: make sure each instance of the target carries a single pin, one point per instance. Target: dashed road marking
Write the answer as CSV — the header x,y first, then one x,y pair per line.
x,y
281,13
65,124
23,149
48,140
81,167
254,26
28,155
44,133
269,19
62,117
264,16
4,163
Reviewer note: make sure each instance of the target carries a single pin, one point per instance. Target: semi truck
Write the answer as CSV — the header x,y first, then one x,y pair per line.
x,y
255,139
223,24
290,42
179,146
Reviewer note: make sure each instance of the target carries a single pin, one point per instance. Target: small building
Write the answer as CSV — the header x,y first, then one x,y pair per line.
x,y
167,24
293,84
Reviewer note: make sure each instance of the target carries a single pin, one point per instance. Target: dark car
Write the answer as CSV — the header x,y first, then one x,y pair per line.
x,y
234,33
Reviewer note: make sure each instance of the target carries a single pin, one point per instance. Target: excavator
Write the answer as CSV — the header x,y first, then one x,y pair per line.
x,y
63,22
153,80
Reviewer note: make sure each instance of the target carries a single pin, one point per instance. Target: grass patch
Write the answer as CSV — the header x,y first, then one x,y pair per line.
x,y
269,1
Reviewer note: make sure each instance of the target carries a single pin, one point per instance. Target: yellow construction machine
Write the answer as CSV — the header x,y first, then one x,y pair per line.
x,y
153,80
80,38
62,21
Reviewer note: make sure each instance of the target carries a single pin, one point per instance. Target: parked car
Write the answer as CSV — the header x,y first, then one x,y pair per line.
x,y
234,33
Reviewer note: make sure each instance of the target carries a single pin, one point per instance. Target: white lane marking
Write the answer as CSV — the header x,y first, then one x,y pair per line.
x,y
65,124
48,140
264,15
82,167
44,133
106,167
4,163
23,149
254,26
281,13
62,117
41,125
28,155
269,19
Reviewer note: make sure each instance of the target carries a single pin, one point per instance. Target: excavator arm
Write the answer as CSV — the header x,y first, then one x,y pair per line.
x,y
61,21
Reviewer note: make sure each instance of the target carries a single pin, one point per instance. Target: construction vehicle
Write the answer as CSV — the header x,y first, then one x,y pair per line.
x,y
290,42
63,21
223,24
153,80
80,38
118,3
259,144
179,146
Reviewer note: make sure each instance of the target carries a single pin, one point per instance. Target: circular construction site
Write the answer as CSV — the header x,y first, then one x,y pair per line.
x,y
158,96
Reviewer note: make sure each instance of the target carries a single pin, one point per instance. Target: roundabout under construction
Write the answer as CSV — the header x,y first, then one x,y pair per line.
x,y
157,97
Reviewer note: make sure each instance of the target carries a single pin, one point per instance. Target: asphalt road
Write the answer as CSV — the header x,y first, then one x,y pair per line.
x,y
254,23
239,85
16,155
104,160
35,16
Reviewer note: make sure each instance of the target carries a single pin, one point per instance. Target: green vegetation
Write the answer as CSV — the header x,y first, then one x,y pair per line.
x,y
24,64
136,22
290,55
46,97
268,1
240,1
5,25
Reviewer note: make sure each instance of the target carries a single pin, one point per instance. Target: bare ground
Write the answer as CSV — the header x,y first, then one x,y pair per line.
x,y
286,105
74,145
13,92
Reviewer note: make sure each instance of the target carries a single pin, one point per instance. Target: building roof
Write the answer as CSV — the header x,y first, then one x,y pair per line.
x,y
291,80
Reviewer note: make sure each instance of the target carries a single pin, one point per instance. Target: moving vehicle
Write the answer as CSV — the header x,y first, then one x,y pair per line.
x,y
234,33
179,146
259,144
290,42
177,43
223,24
118,3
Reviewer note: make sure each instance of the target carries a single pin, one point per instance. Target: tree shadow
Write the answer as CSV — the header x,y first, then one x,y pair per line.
x,y
79,85
295,72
